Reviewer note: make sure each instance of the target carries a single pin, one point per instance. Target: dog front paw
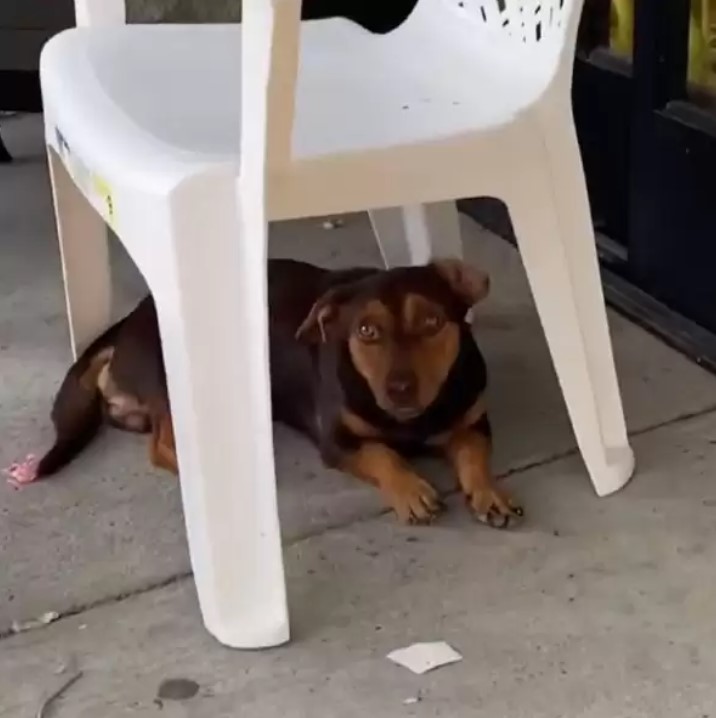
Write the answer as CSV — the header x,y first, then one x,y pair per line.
x,y
495,508
414,500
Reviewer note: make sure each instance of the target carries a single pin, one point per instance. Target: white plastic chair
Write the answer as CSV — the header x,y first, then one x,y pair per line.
x,y
185,140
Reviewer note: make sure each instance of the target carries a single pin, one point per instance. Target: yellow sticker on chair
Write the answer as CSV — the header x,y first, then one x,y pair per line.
x,y
88,182
103,189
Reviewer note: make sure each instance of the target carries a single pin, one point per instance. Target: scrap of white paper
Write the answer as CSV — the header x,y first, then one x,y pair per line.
x,y
423,657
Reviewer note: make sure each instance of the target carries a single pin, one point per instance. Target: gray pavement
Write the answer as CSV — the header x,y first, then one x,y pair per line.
x,y
597,608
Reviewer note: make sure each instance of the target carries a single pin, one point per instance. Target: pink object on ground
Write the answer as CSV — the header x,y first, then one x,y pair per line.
x,y
22,473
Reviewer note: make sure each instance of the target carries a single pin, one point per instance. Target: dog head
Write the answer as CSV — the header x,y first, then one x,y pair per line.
x,y
401,328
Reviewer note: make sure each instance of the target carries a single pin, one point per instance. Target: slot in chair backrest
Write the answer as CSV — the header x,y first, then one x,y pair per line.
x,y
270,46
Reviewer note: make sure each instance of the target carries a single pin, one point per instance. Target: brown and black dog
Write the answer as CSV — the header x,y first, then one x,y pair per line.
x,y
372,365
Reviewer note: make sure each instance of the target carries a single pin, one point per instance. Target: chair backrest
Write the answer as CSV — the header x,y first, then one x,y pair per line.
x,y
519,22
539,34
526,22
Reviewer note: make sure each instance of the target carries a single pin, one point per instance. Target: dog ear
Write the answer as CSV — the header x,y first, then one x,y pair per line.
x,y
316,327
470,284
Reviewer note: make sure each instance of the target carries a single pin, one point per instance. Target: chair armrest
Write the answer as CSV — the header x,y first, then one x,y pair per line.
x,y
100,12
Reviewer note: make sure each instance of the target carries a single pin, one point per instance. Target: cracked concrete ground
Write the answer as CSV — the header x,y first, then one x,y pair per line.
x,y
595,608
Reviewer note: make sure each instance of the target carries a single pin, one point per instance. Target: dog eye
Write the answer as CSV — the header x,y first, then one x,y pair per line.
x,y
368,332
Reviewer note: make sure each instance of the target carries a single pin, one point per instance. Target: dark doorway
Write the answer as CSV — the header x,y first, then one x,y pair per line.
x,y
645,108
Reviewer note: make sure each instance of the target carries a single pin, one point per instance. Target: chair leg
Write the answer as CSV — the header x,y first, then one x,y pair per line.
x,y
552,222
214,326
5,155
84,251
414,234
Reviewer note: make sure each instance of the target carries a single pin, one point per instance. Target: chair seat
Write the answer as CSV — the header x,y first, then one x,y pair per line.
x,y
177,86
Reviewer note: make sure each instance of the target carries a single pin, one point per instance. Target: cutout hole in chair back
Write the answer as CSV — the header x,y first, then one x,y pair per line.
x,y
523,21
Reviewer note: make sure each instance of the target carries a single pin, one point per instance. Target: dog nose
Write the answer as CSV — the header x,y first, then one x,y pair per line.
x,y
401,386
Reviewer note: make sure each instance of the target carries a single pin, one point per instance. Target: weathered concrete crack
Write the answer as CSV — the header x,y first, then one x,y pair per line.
x,y
185,575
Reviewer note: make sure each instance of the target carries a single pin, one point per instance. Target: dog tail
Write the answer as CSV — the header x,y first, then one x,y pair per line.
x,y
77,411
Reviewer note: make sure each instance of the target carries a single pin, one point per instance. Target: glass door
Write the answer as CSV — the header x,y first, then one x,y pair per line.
x,y
645,108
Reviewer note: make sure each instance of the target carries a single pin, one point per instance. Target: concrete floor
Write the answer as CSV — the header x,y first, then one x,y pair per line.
x,y
595,608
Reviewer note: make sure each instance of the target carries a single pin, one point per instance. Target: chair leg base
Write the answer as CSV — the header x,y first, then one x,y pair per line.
x,y
616,473
252,634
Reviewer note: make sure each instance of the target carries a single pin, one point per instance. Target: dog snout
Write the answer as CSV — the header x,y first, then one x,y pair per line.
x,y
401,387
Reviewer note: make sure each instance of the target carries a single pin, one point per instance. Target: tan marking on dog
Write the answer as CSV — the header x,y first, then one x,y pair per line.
x,y
97,364
126,410
470,454
373,360
103,381
432,355
357,426
412,498
135,421
429,356
162,448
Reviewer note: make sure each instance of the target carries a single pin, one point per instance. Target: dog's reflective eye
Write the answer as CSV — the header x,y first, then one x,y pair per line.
x,y
432,323
368,332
